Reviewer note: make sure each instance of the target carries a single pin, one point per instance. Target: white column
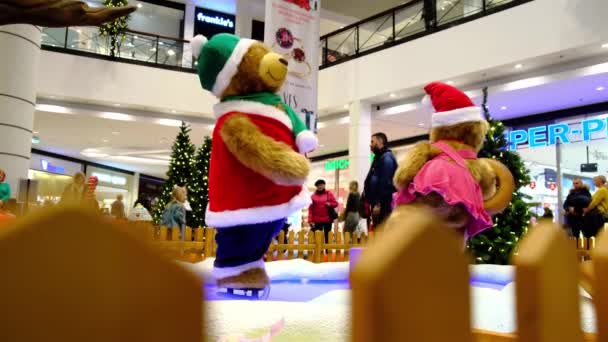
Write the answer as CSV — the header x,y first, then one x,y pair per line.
x,y
188,34
359,136
134,192
20,46
243,18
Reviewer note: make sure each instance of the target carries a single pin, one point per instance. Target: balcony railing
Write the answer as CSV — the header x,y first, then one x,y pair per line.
x,y
406,22
414,19
138,47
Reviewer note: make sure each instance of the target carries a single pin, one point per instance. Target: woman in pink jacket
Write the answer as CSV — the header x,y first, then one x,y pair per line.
x,y
319,216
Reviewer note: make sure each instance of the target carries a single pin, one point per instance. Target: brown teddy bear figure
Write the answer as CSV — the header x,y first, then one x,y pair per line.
x,y
257,168
446,174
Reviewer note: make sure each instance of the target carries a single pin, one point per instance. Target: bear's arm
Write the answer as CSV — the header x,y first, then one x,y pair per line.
x,y
413,161
262,154
485,176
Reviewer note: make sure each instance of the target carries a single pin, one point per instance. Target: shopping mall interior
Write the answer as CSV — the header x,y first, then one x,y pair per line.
x,y
70,104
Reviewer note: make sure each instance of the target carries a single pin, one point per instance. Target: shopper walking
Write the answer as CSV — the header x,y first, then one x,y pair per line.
x,y
139,212
379,189
175,212
75,191
353,207
5,188
597,211
322,211
577,200
118,208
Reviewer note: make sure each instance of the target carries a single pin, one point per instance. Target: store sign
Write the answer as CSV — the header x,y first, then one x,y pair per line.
x,y
548,135
209,23
340,164
110,179
48,167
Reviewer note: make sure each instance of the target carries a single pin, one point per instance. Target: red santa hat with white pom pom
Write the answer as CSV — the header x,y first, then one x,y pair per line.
x,y
450,105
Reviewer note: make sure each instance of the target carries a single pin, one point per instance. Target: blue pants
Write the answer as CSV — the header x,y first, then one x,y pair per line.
x,y
241,245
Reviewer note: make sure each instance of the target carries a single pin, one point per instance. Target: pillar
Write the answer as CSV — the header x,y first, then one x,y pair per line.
x,y
188,35
134,192
243,18
20,46
359,136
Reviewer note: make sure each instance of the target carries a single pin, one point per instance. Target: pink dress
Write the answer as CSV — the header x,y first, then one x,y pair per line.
x,y
448,175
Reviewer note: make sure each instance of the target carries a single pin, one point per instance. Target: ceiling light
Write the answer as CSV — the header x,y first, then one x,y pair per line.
x,y
449,82
153,49
140,5
116,116
161,43
605,46
421,124
600,88
503,108
170,52
79,31
36,132
398,109
53,109
169,122
392,95
345,106
115,133
93,154
117,105
105,140
135,37
173,111
519,66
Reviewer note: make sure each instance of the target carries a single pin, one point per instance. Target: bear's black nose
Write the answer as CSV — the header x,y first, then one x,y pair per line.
x,y
284,61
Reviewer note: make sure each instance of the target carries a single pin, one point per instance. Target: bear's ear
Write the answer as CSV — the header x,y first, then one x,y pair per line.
x,y
197,44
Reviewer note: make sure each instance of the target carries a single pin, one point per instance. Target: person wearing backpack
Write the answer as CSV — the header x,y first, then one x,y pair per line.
x,y
322,212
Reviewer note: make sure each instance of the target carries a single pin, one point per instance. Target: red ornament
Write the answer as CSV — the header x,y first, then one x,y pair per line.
x,y
552,186
305,4
299,55
532,185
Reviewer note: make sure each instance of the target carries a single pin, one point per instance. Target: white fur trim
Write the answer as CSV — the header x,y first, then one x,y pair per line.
x,y
306,142
231,67
223,272
197,44
239,217
249,107
457,116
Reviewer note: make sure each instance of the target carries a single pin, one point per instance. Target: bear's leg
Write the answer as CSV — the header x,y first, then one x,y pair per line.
x,y
239,261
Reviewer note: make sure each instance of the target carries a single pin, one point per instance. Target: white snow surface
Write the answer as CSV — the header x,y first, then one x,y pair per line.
x,y
327,317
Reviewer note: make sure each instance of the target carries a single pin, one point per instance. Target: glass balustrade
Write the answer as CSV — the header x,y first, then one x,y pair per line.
x,y
408,21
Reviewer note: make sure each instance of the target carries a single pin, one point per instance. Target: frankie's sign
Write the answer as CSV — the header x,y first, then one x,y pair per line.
x,y
548,135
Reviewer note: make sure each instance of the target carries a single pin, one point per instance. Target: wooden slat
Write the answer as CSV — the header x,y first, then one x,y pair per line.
x,y
319,241
188,234
93,284
347,242
291,253
600,285
547,287
398,286
199,234
164,234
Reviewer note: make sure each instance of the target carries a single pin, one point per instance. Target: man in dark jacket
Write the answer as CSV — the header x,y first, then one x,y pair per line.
x,y
379,188
578,199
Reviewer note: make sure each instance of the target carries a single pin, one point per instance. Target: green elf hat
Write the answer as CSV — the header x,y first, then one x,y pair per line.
x,y
219,59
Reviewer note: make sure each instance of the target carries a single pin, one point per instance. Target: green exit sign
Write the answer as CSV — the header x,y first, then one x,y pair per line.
x,y
340,164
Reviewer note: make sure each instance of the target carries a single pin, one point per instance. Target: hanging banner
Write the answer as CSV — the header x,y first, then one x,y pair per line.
x,y
292,30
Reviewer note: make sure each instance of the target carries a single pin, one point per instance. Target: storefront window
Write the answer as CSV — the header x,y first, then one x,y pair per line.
x,y
50,176
110,185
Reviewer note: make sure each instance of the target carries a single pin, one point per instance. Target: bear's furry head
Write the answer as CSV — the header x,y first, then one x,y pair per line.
x,y
469,133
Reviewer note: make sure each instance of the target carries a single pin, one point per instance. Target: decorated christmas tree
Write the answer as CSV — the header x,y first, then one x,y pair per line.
x,y
199,195
495,245
115,30
180,170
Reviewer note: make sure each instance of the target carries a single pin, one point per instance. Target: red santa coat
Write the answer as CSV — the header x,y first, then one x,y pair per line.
x,y
239,195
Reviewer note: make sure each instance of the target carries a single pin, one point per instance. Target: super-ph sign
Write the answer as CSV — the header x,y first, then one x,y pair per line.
x,y
547,135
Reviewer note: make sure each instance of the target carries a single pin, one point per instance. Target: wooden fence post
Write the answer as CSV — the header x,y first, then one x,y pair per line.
x,y
319,239
547,287
401,292
163,233
600,285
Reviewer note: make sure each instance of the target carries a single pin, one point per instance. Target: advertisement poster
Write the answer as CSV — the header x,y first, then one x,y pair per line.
x,y
292,30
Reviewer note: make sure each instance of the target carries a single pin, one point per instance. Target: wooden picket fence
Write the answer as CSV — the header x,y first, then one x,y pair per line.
x,y
403,292
199,243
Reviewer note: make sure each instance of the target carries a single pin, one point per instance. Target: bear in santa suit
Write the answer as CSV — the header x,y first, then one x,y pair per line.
x,y
257,167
